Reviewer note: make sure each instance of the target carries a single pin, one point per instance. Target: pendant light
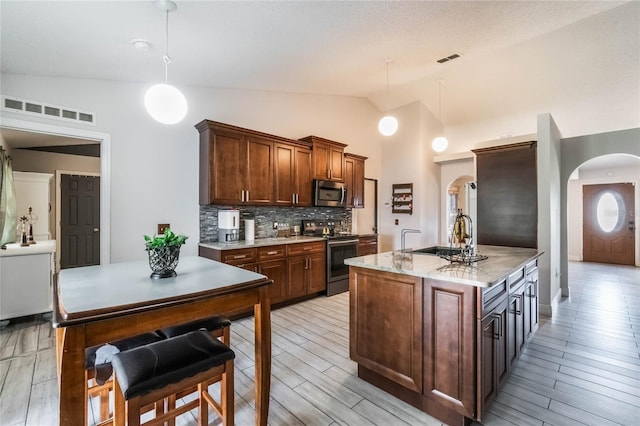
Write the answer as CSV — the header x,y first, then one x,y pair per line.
x,y
440,143
164,102
388,124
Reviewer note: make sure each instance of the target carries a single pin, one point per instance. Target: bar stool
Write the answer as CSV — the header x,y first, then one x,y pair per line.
x,y
150,373
217,326
99,376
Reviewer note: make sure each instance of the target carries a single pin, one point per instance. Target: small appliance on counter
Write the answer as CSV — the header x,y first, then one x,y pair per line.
x,y
228,226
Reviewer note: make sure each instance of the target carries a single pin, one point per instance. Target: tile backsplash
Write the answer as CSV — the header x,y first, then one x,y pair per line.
x,y
265,216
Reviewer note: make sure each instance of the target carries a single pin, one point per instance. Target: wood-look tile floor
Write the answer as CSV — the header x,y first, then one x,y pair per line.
x,y
582,366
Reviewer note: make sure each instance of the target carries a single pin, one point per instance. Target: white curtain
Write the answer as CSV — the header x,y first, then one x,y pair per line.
x,y
8,220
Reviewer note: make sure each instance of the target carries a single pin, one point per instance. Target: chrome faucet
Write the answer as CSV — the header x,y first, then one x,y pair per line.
x,y
403,233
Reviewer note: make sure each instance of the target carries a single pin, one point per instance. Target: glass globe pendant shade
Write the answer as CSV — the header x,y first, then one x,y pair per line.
x,y
439,144
165,103
388,125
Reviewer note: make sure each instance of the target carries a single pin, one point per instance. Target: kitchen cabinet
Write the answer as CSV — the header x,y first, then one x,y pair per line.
x,y
306,264
387,325
467,338
26,277
328,161
297,269
354,180
507,211
293,175
367,245
237,166
530,298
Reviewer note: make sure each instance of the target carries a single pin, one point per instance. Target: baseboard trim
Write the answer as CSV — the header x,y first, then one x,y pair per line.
x,y
548,310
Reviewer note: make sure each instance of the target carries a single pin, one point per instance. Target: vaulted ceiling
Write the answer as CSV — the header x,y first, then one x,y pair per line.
x,y
513,52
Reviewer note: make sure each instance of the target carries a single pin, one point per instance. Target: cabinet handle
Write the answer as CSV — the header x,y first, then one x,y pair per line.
x,y
531,290
497,335
518,309
239,256
247,198
272,252
297,198
242,196
329,173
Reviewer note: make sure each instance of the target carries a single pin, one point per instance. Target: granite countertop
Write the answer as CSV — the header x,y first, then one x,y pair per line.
x,y
40,247
500,262
259,242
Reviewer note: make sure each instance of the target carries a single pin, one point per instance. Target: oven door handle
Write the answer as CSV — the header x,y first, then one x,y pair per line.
x,y
341,242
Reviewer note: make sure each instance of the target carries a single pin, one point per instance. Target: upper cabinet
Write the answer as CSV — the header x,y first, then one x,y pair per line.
x,y
507,195
242,166
354,179
328,156
293,175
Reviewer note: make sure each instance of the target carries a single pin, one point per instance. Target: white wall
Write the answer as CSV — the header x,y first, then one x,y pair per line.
x,y
575,199
548,158
154,168
408,158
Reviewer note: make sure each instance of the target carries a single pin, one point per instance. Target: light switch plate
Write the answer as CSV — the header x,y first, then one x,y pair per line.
x,y
162,227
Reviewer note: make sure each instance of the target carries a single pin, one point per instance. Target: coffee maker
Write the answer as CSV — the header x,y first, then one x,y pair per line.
x,y
228,226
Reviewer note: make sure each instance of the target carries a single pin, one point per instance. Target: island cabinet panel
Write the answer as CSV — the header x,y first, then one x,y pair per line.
x,y
386,325
449,345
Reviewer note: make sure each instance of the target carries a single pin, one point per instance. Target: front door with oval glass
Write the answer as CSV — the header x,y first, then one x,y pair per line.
x,y
609,223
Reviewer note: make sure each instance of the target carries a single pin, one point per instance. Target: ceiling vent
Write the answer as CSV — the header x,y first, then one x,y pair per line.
x,y
22,106
449,58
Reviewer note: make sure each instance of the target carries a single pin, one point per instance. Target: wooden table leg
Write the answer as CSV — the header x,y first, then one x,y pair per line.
x,y
262,312
73,398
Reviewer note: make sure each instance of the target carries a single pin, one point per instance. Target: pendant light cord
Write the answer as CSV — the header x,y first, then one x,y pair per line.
x,y
386,110
166,59
440,100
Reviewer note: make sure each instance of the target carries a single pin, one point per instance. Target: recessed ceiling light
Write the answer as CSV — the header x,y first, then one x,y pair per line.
x,y
140,44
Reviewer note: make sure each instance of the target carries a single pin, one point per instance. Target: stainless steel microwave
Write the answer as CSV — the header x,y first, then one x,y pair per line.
x,y
327,193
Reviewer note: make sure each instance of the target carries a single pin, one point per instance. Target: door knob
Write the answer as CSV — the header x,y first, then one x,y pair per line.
x,y
95,230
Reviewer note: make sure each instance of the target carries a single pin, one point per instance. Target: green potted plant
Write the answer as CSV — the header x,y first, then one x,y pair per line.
x,y
164,252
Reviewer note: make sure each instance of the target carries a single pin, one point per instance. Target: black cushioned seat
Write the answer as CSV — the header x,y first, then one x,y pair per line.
x,y
207,324
156,365
103,371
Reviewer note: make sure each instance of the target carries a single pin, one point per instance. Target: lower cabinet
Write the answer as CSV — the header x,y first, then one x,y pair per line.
x,y
297,270
306,263
367,245
494,359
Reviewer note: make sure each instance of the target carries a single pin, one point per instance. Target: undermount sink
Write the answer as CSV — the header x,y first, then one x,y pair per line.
x,y
438,250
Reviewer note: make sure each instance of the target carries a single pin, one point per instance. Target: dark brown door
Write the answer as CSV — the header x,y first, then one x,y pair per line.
x,y
80,223
609,225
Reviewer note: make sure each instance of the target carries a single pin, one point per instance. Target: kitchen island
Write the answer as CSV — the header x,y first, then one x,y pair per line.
x,y
442,336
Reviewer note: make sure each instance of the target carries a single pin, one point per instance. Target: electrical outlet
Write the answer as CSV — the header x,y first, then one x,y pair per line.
x,y
162,227
397,222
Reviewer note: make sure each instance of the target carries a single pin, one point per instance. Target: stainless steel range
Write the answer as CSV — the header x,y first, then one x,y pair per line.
x,y
340,246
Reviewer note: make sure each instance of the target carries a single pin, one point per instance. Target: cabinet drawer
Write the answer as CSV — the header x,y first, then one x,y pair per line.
x,y
494,295
305,248
271,252
239,256
531,266
516,278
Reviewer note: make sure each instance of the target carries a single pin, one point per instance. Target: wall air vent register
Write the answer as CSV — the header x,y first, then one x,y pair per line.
x,y
40,109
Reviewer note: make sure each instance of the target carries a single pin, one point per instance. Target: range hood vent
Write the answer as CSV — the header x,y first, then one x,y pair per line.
x,y
34,108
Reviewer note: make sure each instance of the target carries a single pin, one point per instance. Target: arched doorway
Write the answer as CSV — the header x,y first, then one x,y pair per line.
x,y
575,152
461,194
